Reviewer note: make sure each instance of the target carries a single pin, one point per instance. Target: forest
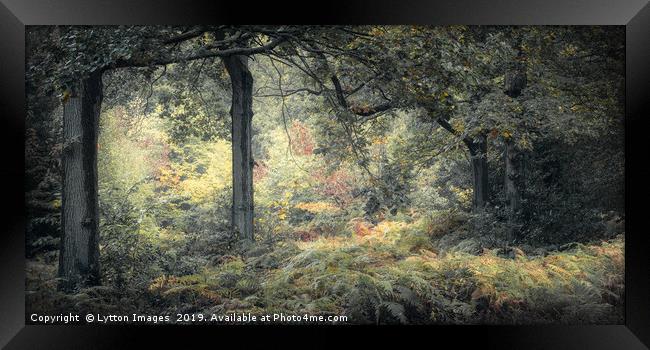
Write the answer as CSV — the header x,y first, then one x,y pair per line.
x,y
386,174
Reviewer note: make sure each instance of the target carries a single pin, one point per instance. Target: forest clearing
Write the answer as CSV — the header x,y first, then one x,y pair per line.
x,y
389,174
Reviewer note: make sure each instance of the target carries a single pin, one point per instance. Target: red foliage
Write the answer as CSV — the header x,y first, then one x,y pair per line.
x,y
337,186
163,162
306,236
260,170
302,142
362,228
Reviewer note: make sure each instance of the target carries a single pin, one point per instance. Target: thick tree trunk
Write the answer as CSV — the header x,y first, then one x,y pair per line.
x,y
79,254
512,180
241,112
478,152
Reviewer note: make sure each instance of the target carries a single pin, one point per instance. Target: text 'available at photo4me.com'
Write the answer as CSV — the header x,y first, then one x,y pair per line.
x,y
225,318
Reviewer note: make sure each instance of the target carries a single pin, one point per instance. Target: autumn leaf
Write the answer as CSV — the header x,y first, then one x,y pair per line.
x,y
66,96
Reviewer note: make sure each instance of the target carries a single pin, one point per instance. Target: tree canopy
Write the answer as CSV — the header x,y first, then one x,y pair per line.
x,y
392,174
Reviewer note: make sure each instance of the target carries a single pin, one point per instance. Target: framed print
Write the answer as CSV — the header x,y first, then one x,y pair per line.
x,y
387,171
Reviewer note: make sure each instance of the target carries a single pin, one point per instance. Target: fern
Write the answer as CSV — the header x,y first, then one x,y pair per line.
x,y
393,309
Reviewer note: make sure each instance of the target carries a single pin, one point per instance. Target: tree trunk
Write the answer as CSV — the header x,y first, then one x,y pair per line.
x,y
513,197
515,81
79,254
241,112
511,184
478,152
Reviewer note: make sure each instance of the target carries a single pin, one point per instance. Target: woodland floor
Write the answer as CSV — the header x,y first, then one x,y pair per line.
x,y
394,272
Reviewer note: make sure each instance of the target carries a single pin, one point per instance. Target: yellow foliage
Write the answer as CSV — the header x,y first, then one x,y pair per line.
x,y
282,214
203,187
207,38
56,203
317,207
569,50
375,31
464,195
66,96
503,280
524,143
168,177
458,125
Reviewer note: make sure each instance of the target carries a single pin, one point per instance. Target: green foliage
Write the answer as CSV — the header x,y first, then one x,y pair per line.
x,y
357,212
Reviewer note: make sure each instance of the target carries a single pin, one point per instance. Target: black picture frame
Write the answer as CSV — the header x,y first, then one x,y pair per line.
x,y
16,14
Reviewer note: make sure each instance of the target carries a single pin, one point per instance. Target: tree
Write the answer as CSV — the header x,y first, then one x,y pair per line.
x,y
90,52
455,77
74,65
431,70
79,254
452,78
241,111
514,83
234,47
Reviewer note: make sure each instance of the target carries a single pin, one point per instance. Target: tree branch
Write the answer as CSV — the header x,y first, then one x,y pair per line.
x,y
468,141
246,51
185,36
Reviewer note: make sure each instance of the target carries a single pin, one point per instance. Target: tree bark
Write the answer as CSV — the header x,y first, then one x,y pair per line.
x,y
515,81
512,181
241,112
79,254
